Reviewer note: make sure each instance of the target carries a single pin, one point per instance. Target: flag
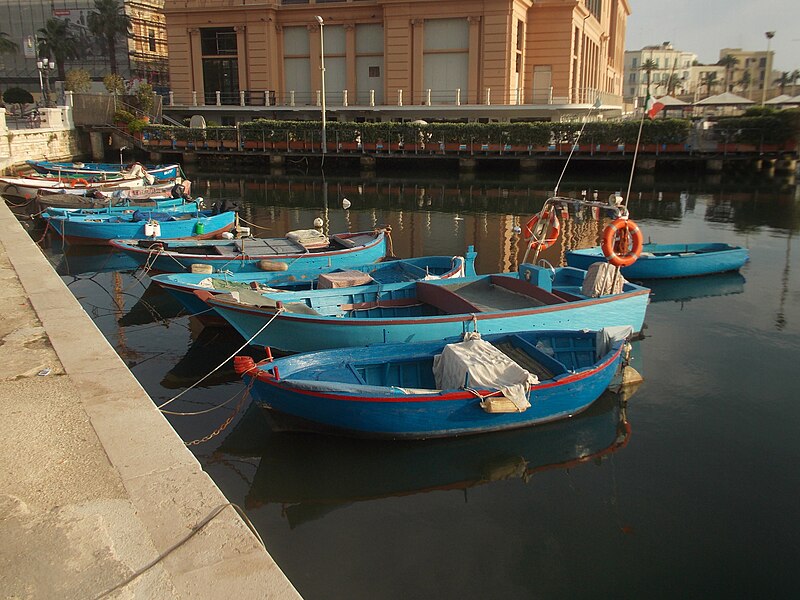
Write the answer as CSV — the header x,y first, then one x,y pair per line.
x,y
652,106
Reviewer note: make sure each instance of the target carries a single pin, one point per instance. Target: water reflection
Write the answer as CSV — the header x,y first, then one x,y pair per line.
x,y
689,288
311,475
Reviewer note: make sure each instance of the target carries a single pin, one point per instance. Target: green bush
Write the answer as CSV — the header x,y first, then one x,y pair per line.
x,y
123,116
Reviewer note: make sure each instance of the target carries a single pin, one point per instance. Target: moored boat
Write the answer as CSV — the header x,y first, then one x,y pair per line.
x,y
665,261
183,285
141,224
440,388
302,249
101,198
159,172
534,297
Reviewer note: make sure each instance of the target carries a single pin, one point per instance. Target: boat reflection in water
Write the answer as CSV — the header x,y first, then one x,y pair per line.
x,y
209,347
312,474
88,259
689,288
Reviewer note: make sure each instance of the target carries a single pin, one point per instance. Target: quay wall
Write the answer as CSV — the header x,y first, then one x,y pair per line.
x,y
54,138
98,494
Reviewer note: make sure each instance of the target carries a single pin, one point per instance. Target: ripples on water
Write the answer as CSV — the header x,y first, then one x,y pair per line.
x,y
689,490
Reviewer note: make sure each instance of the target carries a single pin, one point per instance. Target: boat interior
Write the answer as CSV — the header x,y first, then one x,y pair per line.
x,y
545,356
259,246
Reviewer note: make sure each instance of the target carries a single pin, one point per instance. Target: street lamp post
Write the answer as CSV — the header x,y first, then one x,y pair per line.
x,y
767,69
322,70
45,65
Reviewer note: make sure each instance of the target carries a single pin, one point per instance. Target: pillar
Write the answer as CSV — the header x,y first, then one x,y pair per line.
x,y
97,141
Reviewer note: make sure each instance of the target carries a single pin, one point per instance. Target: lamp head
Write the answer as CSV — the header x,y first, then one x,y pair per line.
x,y
319,20
770,34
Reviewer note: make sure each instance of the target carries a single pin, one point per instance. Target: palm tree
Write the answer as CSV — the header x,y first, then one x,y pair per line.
x,y
670,83
729,62
709,79
57,41
784,80
108,22
794,75
745,82
6,45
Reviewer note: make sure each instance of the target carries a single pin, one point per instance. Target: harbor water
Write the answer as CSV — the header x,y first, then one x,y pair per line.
x,y
686,487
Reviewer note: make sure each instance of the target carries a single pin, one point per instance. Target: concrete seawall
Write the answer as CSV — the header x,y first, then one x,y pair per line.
x,y
99,497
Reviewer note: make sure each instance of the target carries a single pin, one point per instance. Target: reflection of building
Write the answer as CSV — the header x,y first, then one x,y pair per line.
x,y
670,75
466,58
143,56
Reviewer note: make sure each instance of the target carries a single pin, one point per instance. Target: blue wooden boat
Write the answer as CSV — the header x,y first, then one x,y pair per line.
x,y
440,388
532,298
302,250
183,285
143,225
47,167
664,261
173,205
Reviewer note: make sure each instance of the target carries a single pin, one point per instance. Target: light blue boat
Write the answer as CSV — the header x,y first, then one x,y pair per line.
x,y
141,225
183,285
442,388
533,298
665,261
47,167
301,250
176,205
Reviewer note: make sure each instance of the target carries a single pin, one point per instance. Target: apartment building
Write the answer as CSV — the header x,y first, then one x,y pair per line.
x,y
450,59
749,71
142,56
671,73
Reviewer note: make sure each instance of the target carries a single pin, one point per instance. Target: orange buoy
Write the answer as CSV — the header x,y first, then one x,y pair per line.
x,y
622,242
75,182
546,231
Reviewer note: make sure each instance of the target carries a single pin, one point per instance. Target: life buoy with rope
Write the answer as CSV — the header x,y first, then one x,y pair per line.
x,y
622,242
545,231
75,182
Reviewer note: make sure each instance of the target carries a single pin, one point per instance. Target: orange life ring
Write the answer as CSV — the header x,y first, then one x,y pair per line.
x,y
75,182
549,220
622,242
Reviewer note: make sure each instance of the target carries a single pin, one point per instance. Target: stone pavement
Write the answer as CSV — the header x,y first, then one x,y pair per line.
x,y
99,497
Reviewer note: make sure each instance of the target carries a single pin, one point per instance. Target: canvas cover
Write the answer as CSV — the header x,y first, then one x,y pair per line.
x,y
308,238
340,279
602,279
475,363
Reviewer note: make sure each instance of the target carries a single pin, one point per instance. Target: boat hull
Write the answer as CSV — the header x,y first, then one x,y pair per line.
x,y
183,285
668,261
175,261
86,231
391,414
293,332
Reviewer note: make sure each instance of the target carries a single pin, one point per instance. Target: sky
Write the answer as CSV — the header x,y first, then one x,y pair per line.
x,y
706,26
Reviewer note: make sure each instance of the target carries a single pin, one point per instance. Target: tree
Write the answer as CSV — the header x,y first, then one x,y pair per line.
x,y
17,95
745,81
78,80
794,75
709,79
114,84
6,45
57,41
648,67
108,22
729,62
670,83
784,80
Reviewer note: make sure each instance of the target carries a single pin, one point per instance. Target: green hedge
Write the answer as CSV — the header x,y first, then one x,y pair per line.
x,y
769,128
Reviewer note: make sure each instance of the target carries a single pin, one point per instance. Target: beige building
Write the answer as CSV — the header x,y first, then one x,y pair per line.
x,y
459,59
751,73
671,73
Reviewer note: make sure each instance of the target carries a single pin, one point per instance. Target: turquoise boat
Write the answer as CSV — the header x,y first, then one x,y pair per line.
x,y
667,261
48,167
443,388
142,225
173,205
534,297
305,249
183,285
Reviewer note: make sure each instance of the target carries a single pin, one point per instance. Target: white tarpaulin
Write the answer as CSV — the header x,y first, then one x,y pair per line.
x,y
475,363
